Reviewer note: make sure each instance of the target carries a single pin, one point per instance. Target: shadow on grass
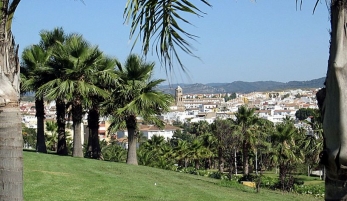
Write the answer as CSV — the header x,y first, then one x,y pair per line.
x,y
48,152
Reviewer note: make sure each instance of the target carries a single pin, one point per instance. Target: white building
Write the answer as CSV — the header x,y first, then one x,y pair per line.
x,y
149,130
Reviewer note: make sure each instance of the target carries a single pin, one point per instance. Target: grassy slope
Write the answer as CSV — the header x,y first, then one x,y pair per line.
x,y
51,177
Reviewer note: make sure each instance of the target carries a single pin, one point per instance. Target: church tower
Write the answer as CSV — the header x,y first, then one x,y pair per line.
x,y
178,96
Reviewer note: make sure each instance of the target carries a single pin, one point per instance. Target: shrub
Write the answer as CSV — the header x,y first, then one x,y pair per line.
x,y
268,182
216,175
316,190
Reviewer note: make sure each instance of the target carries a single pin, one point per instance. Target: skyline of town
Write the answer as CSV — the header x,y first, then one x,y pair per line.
x,y
273,106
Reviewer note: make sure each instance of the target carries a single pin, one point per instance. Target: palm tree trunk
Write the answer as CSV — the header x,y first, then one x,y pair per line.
x,y
235,161
131,127
40,115
93,150
60,107
245,157
11,139
11,145
77,131
334,106
220,159
283,171
231,168
197,164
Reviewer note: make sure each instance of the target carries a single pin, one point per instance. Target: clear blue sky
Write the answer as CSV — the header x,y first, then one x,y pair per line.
x,y
239,40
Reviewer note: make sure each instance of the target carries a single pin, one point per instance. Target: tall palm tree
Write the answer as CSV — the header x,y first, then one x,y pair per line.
x,y
136,96
49,42
106,79
223,130
79,61
286,147
265,130
40,67
35,61
246,121
210,142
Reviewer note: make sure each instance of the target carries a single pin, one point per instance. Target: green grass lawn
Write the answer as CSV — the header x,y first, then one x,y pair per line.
x,y
50,177
308,180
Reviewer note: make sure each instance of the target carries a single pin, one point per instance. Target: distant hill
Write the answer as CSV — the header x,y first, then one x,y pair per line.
x,y
242,87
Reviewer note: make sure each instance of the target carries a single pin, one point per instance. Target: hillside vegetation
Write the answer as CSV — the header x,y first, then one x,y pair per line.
x,y
243,87
52,177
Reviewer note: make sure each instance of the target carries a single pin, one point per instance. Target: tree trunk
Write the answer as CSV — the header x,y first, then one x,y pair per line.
x,y
40,115
245,157
197,164
60,107
282,175
94,150
11,145
334,106
11,139
235,158
77,131
220,160
131,126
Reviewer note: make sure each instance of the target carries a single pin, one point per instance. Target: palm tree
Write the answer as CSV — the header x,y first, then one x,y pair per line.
x,y
200,128
263,143
135,97
105,78
286,148
49,42
37,72
210,142
159,150
313,141
52,135
227,139
40,67
79,62
198,151
246,121
181,152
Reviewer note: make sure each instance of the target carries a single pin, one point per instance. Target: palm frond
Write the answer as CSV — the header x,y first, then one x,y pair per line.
x,y
160,18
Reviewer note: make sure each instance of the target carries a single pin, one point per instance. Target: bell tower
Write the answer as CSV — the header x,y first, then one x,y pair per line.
x,y
178,96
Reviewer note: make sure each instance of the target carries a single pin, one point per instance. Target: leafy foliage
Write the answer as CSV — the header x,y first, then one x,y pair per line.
x,y
114,152
304,113
29,137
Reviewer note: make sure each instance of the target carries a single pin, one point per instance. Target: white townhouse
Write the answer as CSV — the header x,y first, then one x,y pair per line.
x,y
149,130
207,107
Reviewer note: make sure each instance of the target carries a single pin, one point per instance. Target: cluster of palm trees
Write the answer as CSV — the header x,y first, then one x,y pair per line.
x,y
81,79
246,142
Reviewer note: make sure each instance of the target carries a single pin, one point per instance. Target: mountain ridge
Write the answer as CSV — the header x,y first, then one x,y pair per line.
x,y
242,87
